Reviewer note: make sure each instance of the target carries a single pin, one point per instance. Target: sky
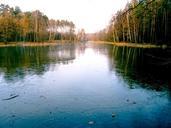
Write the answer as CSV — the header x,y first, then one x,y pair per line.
x,y
92,15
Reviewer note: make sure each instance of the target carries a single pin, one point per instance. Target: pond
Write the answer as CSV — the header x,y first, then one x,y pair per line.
x,y
84,85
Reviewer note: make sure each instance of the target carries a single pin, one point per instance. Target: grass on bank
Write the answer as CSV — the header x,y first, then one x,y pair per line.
x,y
120,44
32,44
134,45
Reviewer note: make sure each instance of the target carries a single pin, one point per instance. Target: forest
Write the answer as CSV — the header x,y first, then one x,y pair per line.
x,y
141,21
18,26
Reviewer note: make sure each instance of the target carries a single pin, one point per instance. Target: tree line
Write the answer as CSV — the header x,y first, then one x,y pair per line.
x,y
141,21
18,26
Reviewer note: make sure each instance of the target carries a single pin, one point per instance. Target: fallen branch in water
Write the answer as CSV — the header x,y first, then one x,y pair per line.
x,y
12,97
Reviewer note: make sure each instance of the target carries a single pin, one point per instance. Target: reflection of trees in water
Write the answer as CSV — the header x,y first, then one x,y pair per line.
x,y
62,53
147,66
99,48
17,62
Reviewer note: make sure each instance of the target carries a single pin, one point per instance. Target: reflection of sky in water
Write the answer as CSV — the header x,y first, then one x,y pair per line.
x,y
72,94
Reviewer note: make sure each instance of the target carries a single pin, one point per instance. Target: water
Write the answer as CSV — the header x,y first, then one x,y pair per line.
x,y
84,86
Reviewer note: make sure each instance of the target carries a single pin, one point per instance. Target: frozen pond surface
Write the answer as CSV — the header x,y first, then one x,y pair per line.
x,y
80,86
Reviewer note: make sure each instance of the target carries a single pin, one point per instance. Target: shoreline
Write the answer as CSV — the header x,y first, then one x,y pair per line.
x,y
120,44
133,45
32,44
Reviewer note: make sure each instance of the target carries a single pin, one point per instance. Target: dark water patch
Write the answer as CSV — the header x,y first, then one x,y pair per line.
x,y
147,66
